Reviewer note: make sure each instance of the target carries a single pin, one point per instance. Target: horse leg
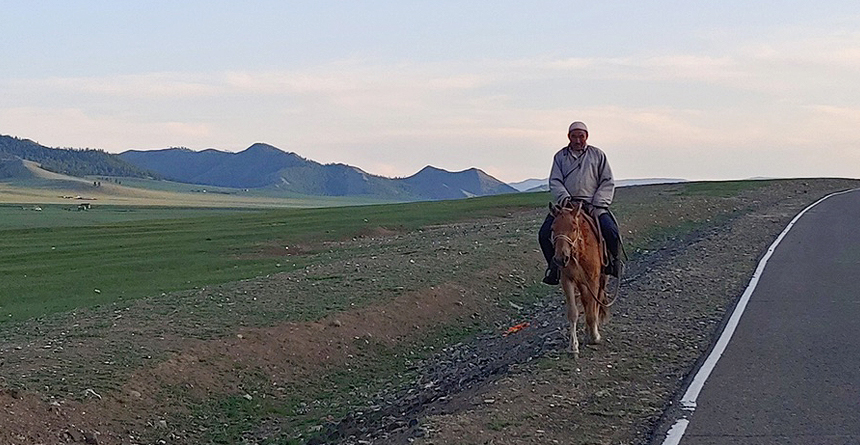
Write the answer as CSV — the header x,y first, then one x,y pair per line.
x,y
592,314
572,314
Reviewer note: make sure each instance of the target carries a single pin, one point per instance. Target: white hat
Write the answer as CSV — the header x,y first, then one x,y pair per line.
x,y
577,126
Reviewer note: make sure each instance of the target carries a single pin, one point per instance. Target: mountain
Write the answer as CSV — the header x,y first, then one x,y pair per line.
x,y
260,166
73,162
265,166
174,163
528,184
13,167
435,183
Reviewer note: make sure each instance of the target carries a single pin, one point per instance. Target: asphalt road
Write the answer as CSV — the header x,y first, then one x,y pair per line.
x,y
791,372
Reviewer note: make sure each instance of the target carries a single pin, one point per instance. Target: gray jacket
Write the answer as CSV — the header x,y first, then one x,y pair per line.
x,y
587,177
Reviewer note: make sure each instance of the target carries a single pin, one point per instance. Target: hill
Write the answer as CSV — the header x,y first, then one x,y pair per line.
x,y
528,184
265,166
261,167
13,167
67,161
435,183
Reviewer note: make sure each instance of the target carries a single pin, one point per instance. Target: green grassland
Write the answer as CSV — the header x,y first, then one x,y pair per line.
x,y
42,187
58,258
29,216
85,258
270,193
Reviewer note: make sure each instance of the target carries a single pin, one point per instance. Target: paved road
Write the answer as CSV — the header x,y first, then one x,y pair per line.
x,y
791,372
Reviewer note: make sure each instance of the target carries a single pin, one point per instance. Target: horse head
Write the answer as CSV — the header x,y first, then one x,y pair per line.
x,y
565,232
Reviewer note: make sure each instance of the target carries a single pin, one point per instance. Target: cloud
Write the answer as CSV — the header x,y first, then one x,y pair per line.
x,y
662,67
736,109
159,85
835,50
79,129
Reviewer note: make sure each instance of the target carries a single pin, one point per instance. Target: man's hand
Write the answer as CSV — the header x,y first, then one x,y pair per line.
x,y
564,202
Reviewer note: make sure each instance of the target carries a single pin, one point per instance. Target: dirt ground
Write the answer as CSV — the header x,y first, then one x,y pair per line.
x,y
145,371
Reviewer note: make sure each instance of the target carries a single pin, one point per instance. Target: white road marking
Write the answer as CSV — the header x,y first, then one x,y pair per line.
x,y
688,401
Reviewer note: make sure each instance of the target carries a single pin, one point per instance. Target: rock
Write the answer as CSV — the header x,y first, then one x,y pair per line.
x,y
91,438
75,435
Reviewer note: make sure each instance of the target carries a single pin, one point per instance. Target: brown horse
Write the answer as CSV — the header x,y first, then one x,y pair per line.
x,y
578,255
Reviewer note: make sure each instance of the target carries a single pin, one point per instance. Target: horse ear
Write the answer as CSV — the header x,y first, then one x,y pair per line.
x,y
554,209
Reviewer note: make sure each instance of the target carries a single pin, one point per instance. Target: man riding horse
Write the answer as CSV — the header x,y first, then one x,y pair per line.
x,y
580,172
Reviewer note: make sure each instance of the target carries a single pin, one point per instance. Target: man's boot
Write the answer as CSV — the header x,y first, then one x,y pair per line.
x,y
551,276
614,267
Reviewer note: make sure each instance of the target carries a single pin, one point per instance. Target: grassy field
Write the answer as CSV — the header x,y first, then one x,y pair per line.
x,y
31,216
58,258
55,259
46,188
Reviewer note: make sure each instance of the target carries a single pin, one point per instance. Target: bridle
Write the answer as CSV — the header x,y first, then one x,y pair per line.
x,y
567,239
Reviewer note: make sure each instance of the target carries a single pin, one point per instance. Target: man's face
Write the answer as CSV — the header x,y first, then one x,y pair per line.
x,y
577,139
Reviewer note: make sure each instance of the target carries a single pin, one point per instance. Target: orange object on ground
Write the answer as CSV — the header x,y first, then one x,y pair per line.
x,y
517,328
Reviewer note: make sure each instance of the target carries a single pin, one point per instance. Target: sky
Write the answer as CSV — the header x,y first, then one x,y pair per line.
x,y
668,89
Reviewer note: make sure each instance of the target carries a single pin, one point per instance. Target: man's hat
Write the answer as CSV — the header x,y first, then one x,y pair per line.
x,y
577,126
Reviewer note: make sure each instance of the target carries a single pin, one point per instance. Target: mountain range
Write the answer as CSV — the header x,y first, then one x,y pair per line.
x,y
260,166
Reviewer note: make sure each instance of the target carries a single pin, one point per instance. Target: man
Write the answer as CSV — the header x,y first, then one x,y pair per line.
x,y
581,172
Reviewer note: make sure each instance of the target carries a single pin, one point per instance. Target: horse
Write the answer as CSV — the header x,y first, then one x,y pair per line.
x,y
579,256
